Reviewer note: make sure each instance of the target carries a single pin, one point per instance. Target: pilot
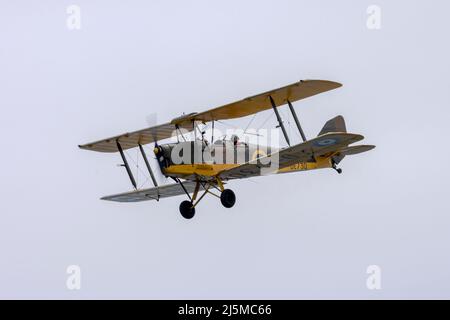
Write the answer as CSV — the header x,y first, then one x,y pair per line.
x,y
235,139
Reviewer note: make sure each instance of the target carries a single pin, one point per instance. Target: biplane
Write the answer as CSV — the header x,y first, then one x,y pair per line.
x,y
199,167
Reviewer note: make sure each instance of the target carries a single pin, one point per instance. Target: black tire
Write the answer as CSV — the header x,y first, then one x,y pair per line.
x,y
228,198
186,210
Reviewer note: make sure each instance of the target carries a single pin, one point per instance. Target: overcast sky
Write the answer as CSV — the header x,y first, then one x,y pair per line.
x,y
303,235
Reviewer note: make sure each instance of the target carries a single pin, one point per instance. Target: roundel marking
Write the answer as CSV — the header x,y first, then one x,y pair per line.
x,y
325,142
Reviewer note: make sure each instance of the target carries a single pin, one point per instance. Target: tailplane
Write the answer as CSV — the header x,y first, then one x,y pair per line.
x,y
337,125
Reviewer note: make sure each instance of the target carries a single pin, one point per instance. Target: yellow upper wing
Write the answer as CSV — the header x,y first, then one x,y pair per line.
x,y
293,92
133,139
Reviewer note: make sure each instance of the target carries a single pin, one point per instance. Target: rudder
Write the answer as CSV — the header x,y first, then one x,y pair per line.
x,y
337,124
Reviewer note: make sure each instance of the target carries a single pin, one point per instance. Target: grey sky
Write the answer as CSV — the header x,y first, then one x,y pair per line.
x,y
303,235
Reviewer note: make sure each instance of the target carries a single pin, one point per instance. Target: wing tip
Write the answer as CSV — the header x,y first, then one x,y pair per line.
x,y
333,83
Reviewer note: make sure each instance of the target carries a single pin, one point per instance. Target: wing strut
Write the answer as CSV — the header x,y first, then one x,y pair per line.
x,y
280,122
184,188
148,166
296,121
125,164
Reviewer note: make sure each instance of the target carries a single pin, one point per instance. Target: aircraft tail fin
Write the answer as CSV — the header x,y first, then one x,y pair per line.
x,y
337,124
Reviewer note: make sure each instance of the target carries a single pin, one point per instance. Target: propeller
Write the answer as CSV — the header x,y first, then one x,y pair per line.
x,y
156,165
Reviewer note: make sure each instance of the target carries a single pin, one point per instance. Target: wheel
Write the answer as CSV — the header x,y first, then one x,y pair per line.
x,y
339,170
186,210
228,198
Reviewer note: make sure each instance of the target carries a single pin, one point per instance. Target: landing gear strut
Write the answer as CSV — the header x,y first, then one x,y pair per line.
x,y
187,210
228,198
187,207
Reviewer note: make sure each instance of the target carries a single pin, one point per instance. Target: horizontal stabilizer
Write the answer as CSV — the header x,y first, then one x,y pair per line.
x,y
348,151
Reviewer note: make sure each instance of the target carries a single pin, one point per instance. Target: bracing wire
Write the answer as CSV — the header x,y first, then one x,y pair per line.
x,y
265,121
137,166
250,122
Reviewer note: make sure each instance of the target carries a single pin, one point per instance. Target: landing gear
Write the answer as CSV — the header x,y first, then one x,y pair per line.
x,y
334,166
228,198
187,207
187,210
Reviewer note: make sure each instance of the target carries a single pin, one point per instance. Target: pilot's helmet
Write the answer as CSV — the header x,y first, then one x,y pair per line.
x,y
234,139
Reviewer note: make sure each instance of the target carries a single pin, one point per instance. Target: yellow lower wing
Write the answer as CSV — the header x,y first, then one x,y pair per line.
x,y
315,151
